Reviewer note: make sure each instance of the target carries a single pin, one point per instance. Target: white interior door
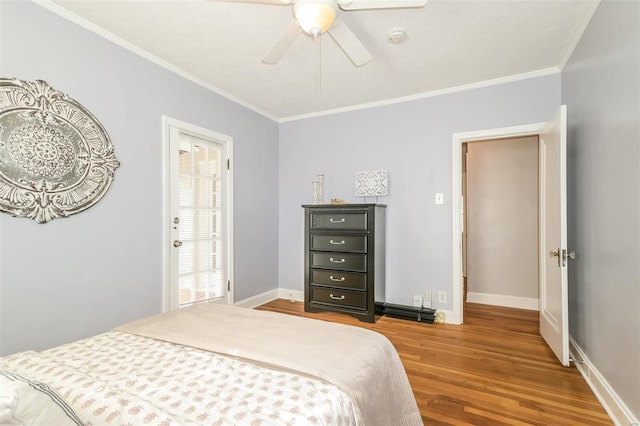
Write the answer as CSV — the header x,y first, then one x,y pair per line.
x,y
199,236
554,304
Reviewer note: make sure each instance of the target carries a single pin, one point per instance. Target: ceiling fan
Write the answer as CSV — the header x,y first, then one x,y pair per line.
x,y
315,17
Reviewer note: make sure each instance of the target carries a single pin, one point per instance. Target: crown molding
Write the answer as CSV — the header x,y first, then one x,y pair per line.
x,y
59,10
431,94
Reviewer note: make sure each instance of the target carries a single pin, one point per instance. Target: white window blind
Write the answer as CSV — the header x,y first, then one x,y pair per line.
x,y
201,273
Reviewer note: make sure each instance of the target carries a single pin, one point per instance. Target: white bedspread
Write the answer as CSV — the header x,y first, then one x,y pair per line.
x,y
362,363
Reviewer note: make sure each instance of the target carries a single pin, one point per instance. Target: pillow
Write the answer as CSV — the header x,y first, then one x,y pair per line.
x,y
27,402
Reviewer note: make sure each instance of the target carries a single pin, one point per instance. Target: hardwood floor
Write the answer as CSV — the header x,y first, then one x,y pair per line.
x,y
493,370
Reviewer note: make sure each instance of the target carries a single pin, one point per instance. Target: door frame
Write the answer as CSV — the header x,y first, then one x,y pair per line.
x,y
456,198
227,141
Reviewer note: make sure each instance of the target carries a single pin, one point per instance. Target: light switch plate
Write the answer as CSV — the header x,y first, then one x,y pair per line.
x,y
439,198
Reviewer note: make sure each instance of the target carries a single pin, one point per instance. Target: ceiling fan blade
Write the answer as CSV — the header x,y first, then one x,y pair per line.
x,y
278,2
379,4
282,44
349,43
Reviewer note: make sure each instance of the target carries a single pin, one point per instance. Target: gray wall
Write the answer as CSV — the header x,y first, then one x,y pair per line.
x,y
71,278
413,142
601,88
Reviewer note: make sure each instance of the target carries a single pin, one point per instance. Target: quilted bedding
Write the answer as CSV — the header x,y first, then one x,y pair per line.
x,y
121,379
216,365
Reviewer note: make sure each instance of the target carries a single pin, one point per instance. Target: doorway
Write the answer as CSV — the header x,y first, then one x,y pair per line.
x,y
459,140
500,222
198,199
552,243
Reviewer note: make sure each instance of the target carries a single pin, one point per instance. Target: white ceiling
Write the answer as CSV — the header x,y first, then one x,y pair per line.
x,y
450,43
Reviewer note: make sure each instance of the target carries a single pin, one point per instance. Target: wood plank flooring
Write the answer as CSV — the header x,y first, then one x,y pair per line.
x,y
493,370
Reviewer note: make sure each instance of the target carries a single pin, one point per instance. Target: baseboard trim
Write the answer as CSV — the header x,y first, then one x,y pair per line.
x,y
612,403
268,296
258,299
293,295
504,300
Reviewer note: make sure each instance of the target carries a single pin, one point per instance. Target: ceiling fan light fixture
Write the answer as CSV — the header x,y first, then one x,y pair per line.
x,y
315,17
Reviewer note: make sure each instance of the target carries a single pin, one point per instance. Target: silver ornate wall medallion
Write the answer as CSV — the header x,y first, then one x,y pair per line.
x,y
56,159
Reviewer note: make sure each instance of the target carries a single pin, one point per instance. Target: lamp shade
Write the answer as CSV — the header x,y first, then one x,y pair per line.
x,y
315,16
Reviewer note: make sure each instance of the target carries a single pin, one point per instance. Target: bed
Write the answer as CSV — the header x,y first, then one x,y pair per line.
x,y
212,364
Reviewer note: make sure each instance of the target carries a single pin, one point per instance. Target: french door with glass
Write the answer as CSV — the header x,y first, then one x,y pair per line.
x,y
199,231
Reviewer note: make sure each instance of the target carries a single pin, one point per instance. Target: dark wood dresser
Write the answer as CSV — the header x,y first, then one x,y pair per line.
x,y
344,258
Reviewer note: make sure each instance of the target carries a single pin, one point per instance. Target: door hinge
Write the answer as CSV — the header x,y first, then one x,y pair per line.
x,y
228,285
228,164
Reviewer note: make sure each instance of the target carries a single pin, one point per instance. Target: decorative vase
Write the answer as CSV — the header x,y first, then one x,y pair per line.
x,y
316,193
320,181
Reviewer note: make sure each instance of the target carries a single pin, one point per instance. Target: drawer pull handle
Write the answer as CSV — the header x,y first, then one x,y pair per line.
x,y
336,279
336,297
336,243
336,221
331,259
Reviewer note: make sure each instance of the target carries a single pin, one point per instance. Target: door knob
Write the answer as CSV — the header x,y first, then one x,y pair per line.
x,y
177,243
562,256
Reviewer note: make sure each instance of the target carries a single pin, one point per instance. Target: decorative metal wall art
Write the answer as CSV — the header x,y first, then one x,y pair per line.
x,y
56,159
371,184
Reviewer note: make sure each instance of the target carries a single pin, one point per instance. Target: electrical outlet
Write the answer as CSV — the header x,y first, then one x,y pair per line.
x,y
417,301
442,296
426,299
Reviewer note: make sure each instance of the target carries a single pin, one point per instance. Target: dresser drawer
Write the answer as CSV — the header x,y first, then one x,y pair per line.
x,y
342,261
338,243
326,220
348,280
346,299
